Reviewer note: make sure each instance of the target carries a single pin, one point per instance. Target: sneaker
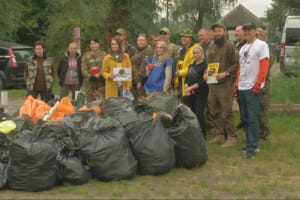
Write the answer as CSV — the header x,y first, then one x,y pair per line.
x,y
250,154
244,149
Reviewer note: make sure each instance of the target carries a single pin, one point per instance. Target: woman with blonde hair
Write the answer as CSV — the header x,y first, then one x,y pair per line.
x,y
159,68
116,58
196,89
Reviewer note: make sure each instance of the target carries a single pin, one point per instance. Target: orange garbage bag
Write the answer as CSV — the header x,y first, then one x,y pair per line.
x,y
95,108
64,107
34,108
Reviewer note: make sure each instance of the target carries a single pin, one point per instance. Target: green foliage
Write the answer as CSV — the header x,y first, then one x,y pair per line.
x,y
10,19
90,16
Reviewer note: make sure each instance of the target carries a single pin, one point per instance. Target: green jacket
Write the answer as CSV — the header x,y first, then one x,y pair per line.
x,y
227,57
138,63
31,71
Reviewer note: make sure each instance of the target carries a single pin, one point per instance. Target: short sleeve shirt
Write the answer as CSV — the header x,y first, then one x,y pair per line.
x,y
250,56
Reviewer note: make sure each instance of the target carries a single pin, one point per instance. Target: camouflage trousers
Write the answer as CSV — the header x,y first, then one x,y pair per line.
x,y
264,113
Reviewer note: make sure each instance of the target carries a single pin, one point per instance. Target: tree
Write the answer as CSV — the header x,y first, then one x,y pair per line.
x,y
10,19
199,10
276,15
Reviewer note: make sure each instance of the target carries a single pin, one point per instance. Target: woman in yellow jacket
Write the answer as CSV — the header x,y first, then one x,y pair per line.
x,y
116,58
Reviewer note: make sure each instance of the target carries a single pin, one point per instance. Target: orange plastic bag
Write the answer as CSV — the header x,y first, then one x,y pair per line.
x,y
34,108
64,107
95,108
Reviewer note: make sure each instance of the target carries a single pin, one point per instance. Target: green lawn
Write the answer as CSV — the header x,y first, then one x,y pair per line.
x,y
273,174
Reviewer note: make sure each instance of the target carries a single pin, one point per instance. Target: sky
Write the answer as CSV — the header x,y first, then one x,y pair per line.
x,y
257,7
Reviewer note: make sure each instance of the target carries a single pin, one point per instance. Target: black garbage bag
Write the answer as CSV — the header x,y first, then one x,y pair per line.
x,y
112,106
33,165
108,153
165,103
23,123
60,136
190,146
151,146
72,170
3,174
83,119
4,153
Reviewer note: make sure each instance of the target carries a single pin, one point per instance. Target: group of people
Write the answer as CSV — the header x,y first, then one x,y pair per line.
x,y
205,75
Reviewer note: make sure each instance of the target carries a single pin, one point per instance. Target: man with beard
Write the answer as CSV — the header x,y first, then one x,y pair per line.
x,y
223,58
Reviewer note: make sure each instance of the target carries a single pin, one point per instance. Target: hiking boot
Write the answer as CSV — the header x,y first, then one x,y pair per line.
x,y
250,154
219,139
231,141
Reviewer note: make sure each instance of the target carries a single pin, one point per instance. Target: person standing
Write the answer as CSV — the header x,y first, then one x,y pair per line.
x,y
128,48
196,89
39,74
139,67
173,49
222,55
154,40
159,68
185,59
265,103
69,71
116,59
91,66
204,37
254,64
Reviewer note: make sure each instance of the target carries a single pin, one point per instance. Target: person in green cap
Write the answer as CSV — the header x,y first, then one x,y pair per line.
x,y
185,59
222,59
128,48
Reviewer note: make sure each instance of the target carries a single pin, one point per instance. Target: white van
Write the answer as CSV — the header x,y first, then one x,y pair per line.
x,y
289,40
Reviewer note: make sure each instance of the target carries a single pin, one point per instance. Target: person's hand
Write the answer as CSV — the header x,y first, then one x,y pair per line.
x,y
235,91
205,77
111,77
221,75
139,85
256,88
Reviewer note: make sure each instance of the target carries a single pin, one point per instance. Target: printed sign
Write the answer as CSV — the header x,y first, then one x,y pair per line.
x,y
122,74
212,72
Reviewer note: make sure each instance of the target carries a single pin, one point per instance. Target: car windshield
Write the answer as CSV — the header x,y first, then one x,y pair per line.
x,y
23,54
292,36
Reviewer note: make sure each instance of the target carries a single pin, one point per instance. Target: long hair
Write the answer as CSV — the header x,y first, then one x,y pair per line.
x,y
165,54
120,50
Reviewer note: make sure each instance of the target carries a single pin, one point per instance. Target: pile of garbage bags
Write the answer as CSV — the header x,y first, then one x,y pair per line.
x,y
112,141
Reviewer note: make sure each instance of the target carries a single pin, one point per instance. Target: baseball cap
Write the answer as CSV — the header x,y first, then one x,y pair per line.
x,y
187,33
164,30
217,25
121,31
249,26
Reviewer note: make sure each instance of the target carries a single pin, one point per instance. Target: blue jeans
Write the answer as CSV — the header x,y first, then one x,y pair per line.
x,y
250,105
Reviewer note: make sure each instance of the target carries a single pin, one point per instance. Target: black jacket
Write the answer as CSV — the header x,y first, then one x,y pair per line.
x,y
63,65
195,75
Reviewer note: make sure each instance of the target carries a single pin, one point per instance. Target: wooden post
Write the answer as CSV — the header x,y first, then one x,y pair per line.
x,y
76,37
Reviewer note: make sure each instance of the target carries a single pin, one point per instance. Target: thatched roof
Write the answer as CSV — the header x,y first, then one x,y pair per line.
x,y
239,16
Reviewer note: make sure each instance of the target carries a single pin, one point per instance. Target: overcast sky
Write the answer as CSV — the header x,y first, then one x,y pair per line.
x,y
257,7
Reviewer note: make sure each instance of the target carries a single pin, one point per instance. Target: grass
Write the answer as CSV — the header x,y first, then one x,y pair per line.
x,y
273,174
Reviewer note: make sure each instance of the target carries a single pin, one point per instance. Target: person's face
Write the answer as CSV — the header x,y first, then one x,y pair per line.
x,y
94,45
203,37
185,40
197,54
114,45
261,37
219,32
72,49
159,49
39,51
239,33
142,42
249,34
121,37
154,40
164,36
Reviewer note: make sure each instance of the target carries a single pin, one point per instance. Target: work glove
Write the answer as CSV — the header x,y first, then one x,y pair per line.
x,y
235,91
256,88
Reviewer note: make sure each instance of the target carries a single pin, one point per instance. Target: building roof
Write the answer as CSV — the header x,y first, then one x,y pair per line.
x,y
240,15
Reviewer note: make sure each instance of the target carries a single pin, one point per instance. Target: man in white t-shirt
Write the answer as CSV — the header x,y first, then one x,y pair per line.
x,y
253,69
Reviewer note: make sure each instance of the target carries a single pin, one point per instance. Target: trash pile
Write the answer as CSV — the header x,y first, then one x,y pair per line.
x,y
47,145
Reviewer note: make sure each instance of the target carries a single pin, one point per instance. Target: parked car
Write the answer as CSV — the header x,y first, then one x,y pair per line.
x,y
290,40
13,58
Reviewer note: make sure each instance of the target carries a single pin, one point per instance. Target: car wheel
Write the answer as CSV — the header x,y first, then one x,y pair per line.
x,y
2,83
